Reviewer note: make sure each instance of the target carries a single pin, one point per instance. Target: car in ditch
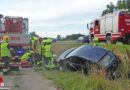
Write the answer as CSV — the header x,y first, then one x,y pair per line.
x,y
88,58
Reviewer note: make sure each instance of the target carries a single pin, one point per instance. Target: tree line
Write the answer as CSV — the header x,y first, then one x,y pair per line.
x,y
70,37
121,4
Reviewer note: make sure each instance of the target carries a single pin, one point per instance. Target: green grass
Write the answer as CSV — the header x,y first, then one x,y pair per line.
x,y
76,81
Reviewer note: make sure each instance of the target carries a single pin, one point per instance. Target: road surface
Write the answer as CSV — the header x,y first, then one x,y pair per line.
x,y
30,80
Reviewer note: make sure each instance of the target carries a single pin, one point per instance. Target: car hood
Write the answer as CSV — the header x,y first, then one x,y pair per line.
x,y
88,52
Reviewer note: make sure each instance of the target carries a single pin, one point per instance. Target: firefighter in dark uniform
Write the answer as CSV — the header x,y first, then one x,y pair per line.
x,y
5,53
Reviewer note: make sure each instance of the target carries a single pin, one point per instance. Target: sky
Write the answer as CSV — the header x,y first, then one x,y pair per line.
x,y
49,18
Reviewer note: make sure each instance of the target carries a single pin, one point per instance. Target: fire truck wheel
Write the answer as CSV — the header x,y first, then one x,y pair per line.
x,y
108,39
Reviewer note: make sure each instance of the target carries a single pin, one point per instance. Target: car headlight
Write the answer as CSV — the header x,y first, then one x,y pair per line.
x,y
122,29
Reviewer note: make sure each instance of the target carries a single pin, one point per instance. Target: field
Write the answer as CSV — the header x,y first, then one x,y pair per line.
x,y
79,81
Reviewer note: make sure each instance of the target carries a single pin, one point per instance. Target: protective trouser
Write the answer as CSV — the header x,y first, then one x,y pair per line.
x,y
6,61
51,64
39,60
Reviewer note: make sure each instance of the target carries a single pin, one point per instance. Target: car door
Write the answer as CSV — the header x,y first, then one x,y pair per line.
x,y
76,63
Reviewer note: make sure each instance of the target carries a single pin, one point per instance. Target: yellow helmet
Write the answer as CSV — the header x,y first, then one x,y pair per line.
x,y
35,38
6,38
49,40
44,41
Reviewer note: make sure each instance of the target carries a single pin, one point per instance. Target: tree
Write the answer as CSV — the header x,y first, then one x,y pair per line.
x,y
58,37
33,34
73,37
121,5
109,9
128,4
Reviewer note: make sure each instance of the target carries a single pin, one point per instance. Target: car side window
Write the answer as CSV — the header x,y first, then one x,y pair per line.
x,y
76,60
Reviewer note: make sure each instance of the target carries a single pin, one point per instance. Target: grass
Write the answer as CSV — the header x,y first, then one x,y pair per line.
x,y
76,81
94,81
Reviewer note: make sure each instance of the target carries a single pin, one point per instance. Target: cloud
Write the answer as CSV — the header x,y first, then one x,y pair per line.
x,y
51,9
55,13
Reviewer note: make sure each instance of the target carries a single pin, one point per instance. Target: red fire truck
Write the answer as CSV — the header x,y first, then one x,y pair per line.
x,y
111,27
17,29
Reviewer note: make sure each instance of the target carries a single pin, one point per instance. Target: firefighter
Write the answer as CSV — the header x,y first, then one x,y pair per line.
x,y
34,48
5,53
27,56
48,51
34,43
43,48
39,52
50,62
96,41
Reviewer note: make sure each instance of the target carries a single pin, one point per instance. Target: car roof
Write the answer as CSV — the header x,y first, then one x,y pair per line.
x,y
88,52
63,55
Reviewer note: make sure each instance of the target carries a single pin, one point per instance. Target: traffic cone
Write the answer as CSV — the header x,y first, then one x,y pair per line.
x,y
1,82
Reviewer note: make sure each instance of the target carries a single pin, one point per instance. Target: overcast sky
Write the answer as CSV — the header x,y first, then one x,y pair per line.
x,y
53,17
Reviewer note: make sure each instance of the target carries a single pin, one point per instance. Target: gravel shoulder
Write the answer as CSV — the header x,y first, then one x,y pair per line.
x,y
30,80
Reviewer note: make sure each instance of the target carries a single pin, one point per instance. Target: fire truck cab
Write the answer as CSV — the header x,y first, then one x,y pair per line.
x,y
113,26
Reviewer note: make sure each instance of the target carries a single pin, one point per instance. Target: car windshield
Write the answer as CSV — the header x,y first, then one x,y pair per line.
x,y
107,59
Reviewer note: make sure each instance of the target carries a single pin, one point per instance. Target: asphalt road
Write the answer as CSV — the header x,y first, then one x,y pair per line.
x,y
30,80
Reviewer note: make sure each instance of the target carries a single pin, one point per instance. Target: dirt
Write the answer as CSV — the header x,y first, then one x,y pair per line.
x,y
30,80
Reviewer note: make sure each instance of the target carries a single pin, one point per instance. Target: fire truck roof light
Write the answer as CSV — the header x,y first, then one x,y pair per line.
x,y
119,13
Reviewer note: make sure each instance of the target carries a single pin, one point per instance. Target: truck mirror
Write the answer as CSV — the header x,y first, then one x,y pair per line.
x,y
1,16
87,26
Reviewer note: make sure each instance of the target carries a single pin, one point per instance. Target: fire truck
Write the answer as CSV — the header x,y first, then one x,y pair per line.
x,y
111,27
17,30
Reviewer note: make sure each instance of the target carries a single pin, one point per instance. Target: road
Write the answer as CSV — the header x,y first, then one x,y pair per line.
x,y
30,80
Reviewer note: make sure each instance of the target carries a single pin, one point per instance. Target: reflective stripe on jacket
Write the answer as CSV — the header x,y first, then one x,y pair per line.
x,y
39,47
48,52
33,41
4,50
